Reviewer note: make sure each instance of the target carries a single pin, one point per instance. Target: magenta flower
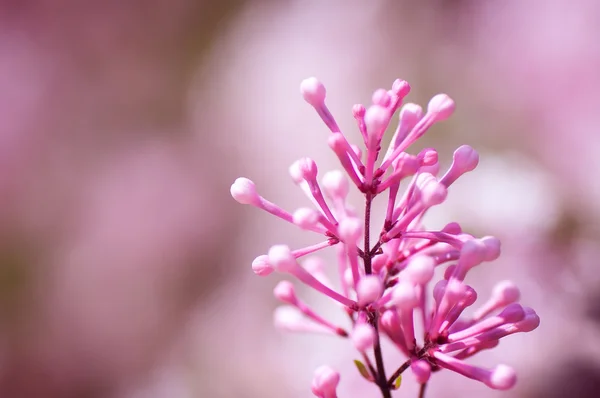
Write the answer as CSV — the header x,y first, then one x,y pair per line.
x,y
384,286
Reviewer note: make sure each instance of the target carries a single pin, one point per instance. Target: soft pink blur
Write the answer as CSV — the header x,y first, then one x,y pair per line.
x,y
124,263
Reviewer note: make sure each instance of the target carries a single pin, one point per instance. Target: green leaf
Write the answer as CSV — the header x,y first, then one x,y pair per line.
x,y
398,382
362,369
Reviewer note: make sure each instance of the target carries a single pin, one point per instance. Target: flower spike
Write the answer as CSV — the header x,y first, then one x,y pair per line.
x,y
387,274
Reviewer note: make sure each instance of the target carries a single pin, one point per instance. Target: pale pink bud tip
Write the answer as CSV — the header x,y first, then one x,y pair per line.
x,y
261,265
381,97
307,168
285,292
350,229
363,337
288,318
358,111
506,292
306,218
421,370
325,382
411,113
390,320
531,321
407,163
452,228
420,269
379,262
470,296
313,91
432,192
376,120
244,191
439,289
442,106
356,150
449,271
335,184
466,158
512,313
282,259
369,289
404,296
428,157
492,248
348,277
502,378
401,88
314,265
455,290
337,143
295,171
472,253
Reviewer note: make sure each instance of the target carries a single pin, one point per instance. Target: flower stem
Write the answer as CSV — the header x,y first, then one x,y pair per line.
x,y
381,378
367,245
398,372
422,390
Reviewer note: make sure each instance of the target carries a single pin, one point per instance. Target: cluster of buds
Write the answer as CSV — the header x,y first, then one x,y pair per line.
x,y
385,286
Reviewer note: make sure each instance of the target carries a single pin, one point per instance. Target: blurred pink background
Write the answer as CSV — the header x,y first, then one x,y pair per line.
x,y
124,263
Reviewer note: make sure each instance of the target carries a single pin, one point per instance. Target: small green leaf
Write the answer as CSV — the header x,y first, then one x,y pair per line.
x,y
398,382
362,369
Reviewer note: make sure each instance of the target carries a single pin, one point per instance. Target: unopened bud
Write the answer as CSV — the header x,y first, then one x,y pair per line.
x,y
313,91
244,191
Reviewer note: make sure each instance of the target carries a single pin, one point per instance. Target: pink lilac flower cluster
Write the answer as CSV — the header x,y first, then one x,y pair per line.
x,y
384,285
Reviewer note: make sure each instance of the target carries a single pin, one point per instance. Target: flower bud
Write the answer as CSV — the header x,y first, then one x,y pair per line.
x,y
325,382
452,228
506,292
376,119
442,106
449,271
261,266
432,192
401,88
306,218
420,269
502,378
243,190
295,172
472,253
282,259
404,296
313,91
492,248
358,111
285,292
465,158
335,184
308,168
421,370
411,114
428,157
439,289
381,97
363,337
369,289
350,229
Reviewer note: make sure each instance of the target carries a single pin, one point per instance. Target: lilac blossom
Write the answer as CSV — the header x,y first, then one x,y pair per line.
x,y
385,286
